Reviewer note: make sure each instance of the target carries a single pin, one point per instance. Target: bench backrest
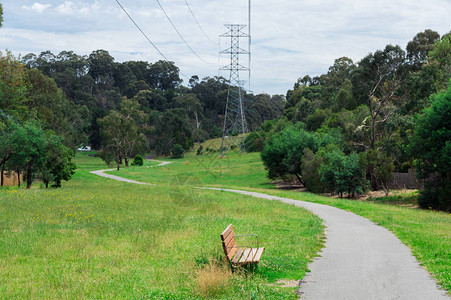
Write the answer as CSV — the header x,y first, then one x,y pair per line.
x,y
228,242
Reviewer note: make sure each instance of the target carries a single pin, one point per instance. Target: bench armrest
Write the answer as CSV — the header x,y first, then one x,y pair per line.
x,y
254,235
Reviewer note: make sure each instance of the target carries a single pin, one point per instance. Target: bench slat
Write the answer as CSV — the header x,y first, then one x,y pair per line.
x,y
229,241
237,256
251,256
245,255
226,232
259,254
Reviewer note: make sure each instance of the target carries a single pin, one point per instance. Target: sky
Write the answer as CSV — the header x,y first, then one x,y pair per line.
x,y
290,38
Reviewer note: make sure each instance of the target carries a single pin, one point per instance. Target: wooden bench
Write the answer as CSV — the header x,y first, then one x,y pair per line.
x,y
239,255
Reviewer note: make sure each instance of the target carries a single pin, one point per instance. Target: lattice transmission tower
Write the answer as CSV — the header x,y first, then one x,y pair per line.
x,y
234,119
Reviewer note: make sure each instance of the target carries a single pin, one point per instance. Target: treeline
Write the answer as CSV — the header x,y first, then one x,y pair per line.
x,y
119,108
174,114
34,117
346,131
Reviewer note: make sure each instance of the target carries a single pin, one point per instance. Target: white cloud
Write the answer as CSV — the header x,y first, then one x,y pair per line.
x,y
70,8
37,7
290,38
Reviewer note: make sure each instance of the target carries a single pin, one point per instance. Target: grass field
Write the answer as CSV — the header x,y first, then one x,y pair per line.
x,y
98,238
427,233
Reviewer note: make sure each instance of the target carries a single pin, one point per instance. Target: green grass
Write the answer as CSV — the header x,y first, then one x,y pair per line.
x,y
98,238
427,233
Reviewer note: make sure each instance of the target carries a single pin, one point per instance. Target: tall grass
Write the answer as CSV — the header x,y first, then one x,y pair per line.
x,y
98,238
427,233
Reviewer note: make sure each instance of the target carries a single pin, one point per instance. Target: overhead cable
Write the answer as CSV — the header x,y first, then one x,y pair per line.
x,y
198,24
145,35
175,28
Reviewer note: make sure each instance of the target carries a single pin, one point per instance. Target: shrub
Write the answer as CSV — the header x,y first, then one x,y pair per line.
x,y
138,160
177,151
255,142
311,164
435,195
199,150
283,152
342,173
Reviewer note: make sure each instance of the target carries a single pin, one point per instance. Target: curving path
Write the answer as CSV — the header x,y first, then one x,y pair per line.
x,y
361,260
102,173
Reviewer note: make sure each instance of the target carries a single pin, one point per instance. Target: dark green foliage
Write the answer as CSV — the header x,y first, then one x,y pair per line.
x,y
1,15
436,195
379,167
342,173
58,163
177,151
431,146
138,160
199,150
311,165
283,152
431,141
255,142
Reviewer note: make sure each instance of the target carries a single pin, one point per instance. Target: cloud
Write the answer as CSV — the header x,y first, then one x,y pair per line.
x,y
69,8
37,7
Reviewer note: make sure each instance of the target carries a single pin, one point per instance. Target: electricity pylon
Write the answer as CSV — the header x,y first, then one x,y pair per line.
x,y
234,118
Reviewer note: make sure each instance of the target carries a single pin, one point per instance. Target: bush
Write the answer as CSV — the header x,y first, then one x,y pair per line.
x,y
199,150
283,152
255,142
436,195
138,160
311,164
177,151
342,173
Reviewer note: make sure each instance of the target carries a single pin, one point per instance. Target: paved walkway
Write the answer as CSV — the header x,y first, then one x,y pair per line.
x,y
360,261
101,173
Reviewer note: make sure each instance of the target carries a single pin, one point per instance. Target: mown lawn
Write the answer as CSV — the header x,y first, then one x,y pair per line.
x,y
427,233
98,238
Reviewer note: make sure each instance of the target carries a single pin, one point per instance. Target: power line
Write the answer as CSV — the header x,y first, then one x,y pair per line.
x,y
175,28
139,28
200,27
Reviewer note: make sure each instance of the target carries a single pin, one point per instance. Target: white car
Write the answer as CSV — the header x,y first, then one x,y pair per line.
x,y
84,148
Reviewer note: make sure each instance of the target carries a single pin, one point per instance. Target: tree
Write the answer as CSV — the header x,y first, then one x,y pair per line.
x,y
121,131
382,166
193,108
282,155
342,173
419,48
58,163
13,86
431,147
1,15
177,151
30,143
8,129
163,75
100,65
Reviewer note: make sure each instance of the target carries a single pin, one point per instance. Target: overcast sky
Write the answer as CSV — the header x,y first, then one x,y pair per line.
x,y
290,38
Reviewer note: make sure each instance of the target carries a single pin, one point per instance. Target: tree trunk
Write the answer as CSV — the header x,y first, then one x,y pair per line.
x,y
300,179
18,178
118,166
3,171
126,161
29,176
